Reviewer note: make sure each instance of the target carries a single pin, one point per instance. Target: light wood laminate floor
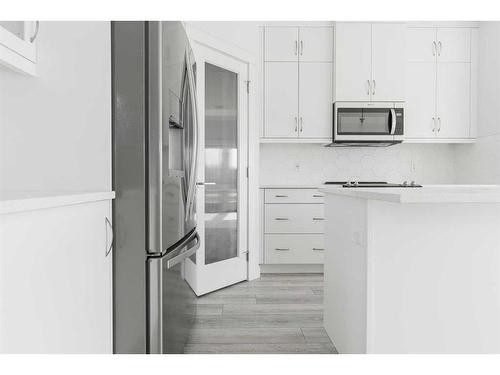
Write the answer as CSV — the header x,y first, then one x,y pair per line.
x,y
278,313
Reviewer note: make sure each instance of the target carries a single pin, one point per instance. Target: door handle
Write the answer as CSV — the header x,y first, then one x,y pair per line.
x,y
281,219
301,124
393,121
186,252
369,87
281,196
296,48
434,124
318,249
374,87
206,183
318,218
108,249
434,48
440,46
439,124
301,48
318,196
296,123
282,248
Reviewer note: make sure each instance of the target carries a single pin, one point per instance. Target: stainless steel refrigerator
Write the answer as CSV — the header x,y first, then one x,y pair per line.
x,y
154,169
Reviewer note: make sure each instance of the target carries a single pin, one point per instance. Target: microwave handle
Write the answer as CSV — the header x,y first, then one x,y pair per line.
x,y
393,121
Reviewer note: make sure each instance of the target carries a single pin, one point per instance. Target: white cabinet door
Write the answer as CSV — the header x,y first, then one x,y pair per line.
x,y
18,40
353,61
420,107
316,44
453,100
56,289
388,61
420,44
315,100
281,99
454,44
281,43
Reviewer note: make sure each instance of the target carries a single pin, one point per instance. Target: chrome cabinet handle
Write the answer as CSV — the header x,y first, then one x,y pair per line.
x,y
296,123
108,249
301,48
35,34
440,45
281,219
281,196
434,48
439,124
318,218
369,87
318,249
374,86
282,248
318,196
434,126
296,48
301,124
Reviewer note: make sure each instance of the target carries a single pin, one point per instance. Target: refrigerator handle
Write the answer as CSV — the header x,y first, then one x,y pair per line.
x,y
194,114
187,252
184,91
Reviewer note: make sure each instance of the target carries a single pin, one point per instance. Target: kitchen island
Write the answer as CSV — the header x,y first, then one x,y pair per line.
x,y
413,270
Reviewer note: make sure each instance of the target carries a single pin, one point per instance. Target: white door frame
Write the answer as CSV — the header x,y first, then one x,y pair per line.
x,y
200,40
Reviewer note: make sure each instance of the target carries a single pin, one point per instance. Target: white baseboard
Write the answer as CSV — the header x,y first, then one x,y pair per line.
x,y
291,268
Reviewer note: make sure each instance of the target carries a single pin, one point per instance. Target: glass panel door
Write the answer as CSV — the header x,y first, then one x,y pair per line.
x,y
221,164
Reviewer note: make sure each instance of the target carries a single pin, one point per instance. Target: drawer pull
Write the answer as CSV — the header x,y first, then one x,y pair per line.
x,y
318,249
318,196
281,196
318,218
281,248
281,218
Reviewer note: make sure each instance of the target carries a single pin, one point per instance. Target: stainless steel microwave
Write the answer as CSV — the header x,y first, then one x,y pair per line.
x,y
368,123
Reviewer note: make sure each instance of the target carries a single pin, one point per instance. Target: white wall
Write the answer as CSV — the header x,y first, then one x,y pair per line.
x,y
480,162
55,128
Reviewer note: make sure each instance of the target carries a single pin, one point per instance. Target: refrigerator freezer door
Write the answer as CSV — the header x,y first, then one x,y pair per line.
x,y
171,308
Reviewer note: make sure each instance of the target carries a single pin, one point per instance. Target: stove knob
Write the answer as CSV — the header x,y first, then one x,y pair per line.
x,y
405,183
413,183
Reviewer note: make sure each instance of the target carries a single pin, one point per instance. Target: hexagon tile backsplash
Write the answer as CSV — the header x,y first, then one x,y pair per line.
x,y
312,164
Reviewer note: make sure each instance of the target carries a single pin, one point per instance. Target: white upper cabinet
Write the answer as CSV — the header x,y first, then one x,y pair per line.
x,y
421,44
420,106
281,100
370,61
298,84
316,44
453,44
18,45
352,61
388,61
281,44
441,80
315,100
453,100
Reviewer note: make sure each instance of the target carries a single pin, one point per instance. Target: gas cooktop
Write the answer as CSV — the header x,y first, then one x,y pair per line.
x,y
373,184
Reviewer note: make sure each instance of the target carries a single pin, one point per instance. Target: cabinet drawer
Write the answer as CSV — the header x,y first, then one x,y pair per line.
x,y
294,218
294,248
293,196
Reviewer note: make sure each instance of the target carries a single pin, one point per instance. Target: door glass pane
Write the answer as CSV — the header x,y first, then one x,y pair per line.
x,y
15,27
221,164
363,121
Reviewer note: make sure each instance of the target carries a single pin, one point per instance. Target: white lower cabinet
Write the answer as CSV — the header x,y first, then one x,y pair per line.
x,y
56,280
294,248
293,226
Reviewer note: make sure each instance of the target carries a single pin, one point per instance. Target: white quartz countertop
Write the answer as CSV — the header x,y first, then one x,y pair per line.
x,y
426,194
18,201
284,186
